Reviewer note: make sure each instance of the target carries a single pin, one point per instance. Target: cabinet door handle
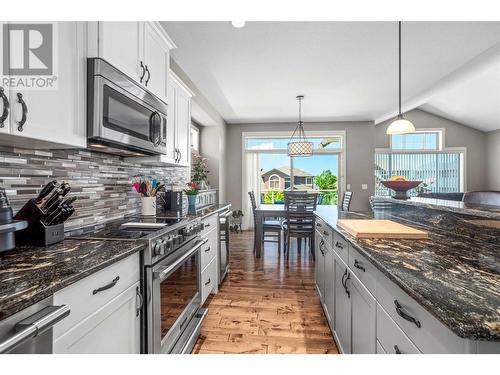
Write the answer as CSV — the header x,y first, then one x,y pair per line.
x,y
143,72
359,266
321,245
21,101
180,156
106,287
339,245
348,292
207,249
208,281
207,225
343,276
149,75
396,350
141,301
5,112
404,315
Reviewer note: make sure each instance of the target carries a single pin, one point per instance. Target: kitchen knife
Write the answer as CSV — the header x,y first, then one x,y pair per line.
x,y
69,201
65,188
55,213
45,191
54,205
54,197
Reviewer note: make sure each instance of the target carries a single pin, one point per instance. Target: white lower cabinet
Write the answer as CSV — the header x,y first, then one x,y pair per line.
x,y
329,286
113,329
342,313
209,278
320,266
363,318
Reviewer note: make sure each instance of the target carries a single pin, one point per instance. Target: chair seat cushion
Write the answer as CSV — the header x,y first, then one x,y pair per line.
x,y
272,225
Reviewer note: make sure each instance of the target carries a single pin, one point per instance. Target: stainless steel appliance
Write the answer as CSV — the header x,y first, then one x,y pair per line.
x,y
224,227
30,330
122,116
172,314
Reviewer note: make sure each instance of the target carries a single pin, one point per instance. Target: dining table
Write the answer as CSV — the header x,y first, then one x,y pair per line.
x,y
262,212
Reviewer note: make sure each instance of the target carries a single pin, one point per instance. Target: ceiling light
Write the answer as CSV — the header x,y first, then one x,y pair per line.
x,y
298,145
238,24
400,125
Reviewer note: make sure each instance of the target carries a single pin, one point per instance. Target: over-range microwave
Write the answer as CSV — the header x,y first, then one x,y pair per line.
x,y
122,116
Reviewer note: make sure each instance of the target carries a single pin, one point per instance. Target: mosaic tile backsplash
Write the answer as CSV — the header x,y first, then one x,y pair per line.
x,y
102,182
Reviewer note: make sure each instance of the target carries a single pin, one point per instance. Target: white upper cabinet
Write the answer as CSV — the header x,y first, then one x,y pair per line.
x,y
156,57
53,115
183,126
120,44
139,49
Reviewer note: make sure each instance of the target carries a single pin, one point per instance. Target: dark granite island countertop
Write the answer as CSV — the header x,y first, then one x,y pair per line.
x,y
30,274
455,278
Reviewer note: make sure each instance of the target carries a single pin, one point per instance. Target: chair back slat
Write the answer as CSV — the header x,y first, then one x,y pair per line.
x,y
346,200
300,207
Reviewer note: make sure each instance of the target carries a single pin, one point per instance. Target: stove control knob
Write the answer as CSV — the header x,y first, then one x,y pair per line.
x,y
158,248
169,243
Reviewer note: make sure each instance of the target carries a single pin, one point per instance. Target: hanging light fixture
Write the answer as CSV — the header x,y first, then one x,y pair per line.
x,y
400,125
298,145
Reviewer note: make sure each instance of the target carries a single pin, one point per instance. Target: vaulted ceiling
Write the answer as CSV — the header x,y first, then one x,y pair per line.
x,y
346,70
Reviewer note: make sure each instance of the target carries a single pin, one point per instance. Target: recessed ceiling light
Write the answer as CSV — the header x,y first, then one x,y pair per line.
x,y
238,24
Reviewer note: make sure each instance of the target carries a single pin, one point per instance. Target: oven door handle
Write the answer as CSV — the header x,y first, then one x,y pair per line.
x,y
163,272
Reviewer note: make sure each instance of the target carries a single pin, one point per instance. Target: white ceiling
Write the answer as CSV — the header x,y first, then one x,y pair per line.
x,y
346,70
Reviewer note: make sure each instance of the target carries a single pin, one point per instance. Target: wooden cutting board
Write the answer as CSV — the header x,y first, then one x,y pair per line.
x,y
381,229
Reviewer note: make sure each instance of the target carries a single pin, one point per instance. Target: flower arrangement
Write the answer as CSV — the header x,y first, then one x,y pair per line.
x,y
193,188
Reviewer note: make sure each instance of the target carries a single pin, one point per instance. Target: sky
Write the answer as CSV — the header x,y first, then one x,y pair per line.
x,y
314,164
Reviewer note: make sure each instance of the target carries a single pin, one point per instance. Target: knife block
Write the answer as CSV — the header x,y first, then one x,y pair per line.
x,y
37,233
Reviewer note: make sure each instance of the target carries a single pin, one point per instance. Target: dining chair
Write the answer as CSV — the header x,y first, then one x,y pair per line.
x,y
271,229
346,201
300,219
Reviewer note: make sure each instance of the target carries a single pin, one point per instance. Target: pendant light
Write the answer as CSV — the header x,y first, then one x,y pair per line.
x,y
298,145
400,125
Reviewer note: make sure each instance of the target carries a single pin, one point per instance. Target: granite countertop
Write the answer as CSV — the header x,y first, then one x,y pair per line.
x,y
455,278
30,274
481,210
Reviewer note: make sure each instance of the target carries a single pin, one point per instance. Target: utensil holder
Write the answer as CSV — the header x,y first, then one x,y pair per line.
x,y
148,206
37,233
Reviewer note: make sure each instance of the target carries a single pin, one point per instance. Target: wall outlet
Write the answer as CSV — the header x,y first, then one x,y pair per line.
x,y
364,187
348,187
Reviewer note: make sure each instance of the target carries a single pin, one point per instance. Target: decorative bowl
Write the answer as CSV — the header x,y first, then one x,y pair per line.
x,y
401,187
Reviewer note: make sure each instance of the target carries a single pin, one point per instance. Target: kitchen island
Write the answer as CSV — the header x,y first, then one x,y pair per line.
x,y
453,277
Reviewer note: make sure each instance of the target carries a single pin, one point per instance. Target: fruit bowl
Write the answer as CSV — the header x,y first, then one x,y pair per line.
x,y
401,187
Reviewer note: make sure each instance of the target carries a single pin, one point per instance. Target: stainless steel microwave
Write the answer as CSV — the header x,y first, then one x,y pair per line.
x,y
122,116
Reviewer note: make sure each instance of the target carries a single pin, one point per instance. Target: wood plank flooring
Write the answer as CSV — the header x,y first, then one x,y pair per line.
x,y
266,305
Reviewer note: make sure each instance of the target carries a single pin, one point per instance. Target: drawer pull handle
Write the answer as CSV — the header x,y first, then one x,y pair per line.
x,y
207,225
404,315
326,233
208,281
339,245
319,225
396,350
106,287
358,265
207,249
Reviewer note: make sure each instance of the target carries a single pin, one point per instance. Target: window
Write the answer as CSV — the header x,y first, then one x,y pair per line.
x,y
271,143
195,138
274,182
420,140
288,183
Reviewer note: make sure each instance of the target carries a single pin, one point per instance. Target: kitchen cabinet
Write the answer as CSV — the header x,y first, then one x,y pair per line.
x,y
209,257
55,116
105,311
113,329
139,49
320,265
329,285
342,307
363,318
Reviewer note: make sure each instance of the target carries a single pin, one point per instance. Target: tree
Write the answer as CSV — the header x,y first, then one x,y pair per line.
x,y
327,181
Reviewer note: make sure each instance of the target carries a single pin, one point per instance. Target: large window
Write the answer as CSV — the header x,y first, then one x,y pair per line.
x,y
421,156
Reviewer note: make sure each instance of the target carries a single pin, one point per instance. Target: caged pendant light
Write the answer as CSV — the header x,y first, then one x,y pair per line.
x,y
400,125
298,144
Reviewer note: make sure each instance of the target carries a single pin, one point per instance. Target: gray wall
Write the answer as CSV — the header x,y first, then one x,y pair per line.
x,y
212,133
359,157
456,135
493,158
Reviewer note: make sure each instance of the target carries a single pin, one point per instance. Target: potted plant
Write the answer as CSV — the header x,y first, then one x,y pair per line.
x,y
199,171
192,192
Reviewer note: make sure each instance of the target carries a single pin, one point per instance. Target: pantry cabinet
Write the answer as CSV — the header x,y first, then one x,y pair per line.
x,y
51,116
139,49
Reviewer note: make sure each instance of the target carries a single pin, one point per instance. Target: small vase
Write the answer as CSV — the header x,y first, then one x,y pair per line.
x,y
192,201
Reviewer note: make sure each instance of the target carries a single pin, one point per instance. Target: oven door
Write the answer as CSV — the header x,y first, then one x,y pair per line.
x,y
174,298
123,119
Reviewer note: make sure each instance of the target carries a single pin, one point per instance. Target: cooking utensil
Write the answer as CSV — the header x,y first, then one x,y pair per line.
x,y
45,191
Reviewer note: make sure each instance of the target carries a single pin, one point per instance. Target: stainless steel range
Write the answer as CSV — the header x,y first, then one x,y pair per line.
x,y
172,312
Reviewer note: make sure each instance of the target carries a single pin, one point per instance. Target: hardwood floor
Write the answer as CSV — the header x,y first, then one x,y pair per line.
x,y
266,305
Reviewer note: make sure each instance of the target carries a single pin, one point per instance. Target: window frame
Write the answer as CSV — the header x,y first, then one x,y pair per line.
x,y
441,141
